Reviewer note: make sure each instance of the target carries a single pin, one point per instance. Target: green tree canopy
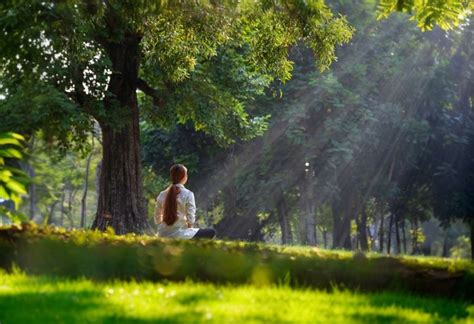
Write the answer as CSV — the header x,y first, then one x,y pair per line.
x,y
66,64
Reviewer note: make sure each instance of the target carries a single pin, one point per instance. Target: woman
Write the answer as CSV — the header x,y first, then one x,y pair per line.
x,y
176,210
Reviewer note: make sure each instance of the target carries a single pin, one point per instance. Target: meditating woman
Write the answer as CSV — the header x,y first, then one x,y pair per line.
x,y
176,211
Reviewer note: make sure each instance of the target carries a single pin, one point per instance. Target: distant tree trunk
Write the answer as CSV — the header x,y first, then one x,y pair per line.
x,y
389,237
414,236
121,203
31,193
30,171
236,226
282,210
325,238
63,197
397,233
72,194
307,207
342,222
362,230
404,237
381,231
445,245
86,188
472,239
51,212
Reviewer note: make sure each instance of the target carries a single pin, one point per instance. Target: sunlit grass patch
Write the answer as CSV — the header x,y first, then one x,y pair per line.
x,y
40,299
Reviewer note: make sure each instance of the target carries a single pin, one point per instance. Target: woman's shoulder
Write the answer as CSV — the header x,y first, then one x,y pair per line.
x,y
162,195
186,192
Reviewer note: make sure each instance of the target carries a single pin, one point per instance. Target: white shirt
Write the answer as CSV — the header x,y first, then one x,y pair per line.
x,y
186,212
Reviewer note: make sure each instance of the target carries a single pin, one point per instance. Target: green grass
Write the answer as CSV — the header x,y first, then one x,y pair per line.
x,y
42,299
104,256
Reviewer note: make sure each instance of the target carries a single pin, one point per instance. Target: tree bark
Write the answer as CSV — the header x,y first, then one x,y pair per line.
x,y
86,188
121,203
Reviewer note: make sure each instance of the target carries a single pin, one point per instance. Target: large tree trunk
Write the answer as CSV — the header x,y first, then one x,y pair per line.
x,y
121,203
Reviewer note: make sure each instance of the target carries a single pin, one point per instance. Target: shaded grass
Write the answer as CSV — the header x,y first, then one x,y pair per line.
x,y
42,299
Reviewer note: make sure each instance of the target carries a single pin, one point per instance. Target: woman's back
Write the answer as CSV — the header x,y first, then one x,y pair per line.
x,y
176,210
185,211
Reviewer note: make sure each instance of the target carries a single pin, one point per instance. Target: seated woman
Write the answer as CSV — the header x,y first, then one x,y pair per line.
x,y
176,210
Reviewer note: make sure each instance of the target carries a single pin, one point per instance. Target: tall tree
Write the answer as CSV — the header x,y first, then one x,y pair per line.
x,y
66,63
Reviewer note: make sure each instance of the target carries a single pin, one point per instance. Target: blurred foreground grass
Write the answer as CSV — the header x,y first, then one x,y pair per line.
x,y
105,256
44,299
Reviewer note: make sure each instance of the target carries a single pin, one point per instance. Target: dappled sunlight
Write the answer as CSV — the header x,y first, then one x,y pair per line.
x,y
83,300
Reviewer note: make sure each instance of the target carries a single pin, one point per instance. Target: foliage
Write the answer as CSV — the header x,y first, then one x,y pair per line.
x,y
58,178
447,14
13,180
105,256
462,249
52,299
66,60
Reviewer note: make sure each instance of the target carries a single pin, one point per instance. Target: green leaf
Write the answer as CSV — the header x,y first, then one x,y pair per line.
x,y
16,186
10,153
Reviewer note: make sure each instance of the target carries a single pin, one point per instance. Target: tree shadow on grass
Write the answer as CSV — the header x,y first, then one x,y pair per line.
x,y
48,307
445,310
83,306
86,306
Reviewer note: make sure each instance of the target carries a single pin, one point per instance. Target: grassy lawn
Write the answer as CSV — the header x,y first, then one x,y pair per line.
x,y
43,299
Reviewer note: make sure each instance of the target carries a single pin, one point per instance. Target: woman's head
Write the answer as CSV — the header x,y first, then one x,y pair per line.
x,y
178,175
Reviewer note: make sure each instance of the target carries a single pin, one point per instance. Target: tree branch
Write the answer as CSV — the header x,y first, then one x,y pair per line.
x,y
151,92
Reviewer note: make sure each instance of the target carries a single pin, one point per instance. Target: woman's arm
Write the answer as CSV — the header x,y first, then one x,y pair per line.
x,y
158,211
190,210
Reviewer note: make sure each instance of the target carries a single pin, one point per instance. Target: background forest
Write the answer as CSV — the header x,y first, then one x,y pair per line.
x,y
375,154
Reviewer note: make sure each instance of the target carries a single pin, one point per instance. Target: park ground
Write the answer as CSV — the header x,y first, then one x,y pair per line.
x,y
43,299
56,276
